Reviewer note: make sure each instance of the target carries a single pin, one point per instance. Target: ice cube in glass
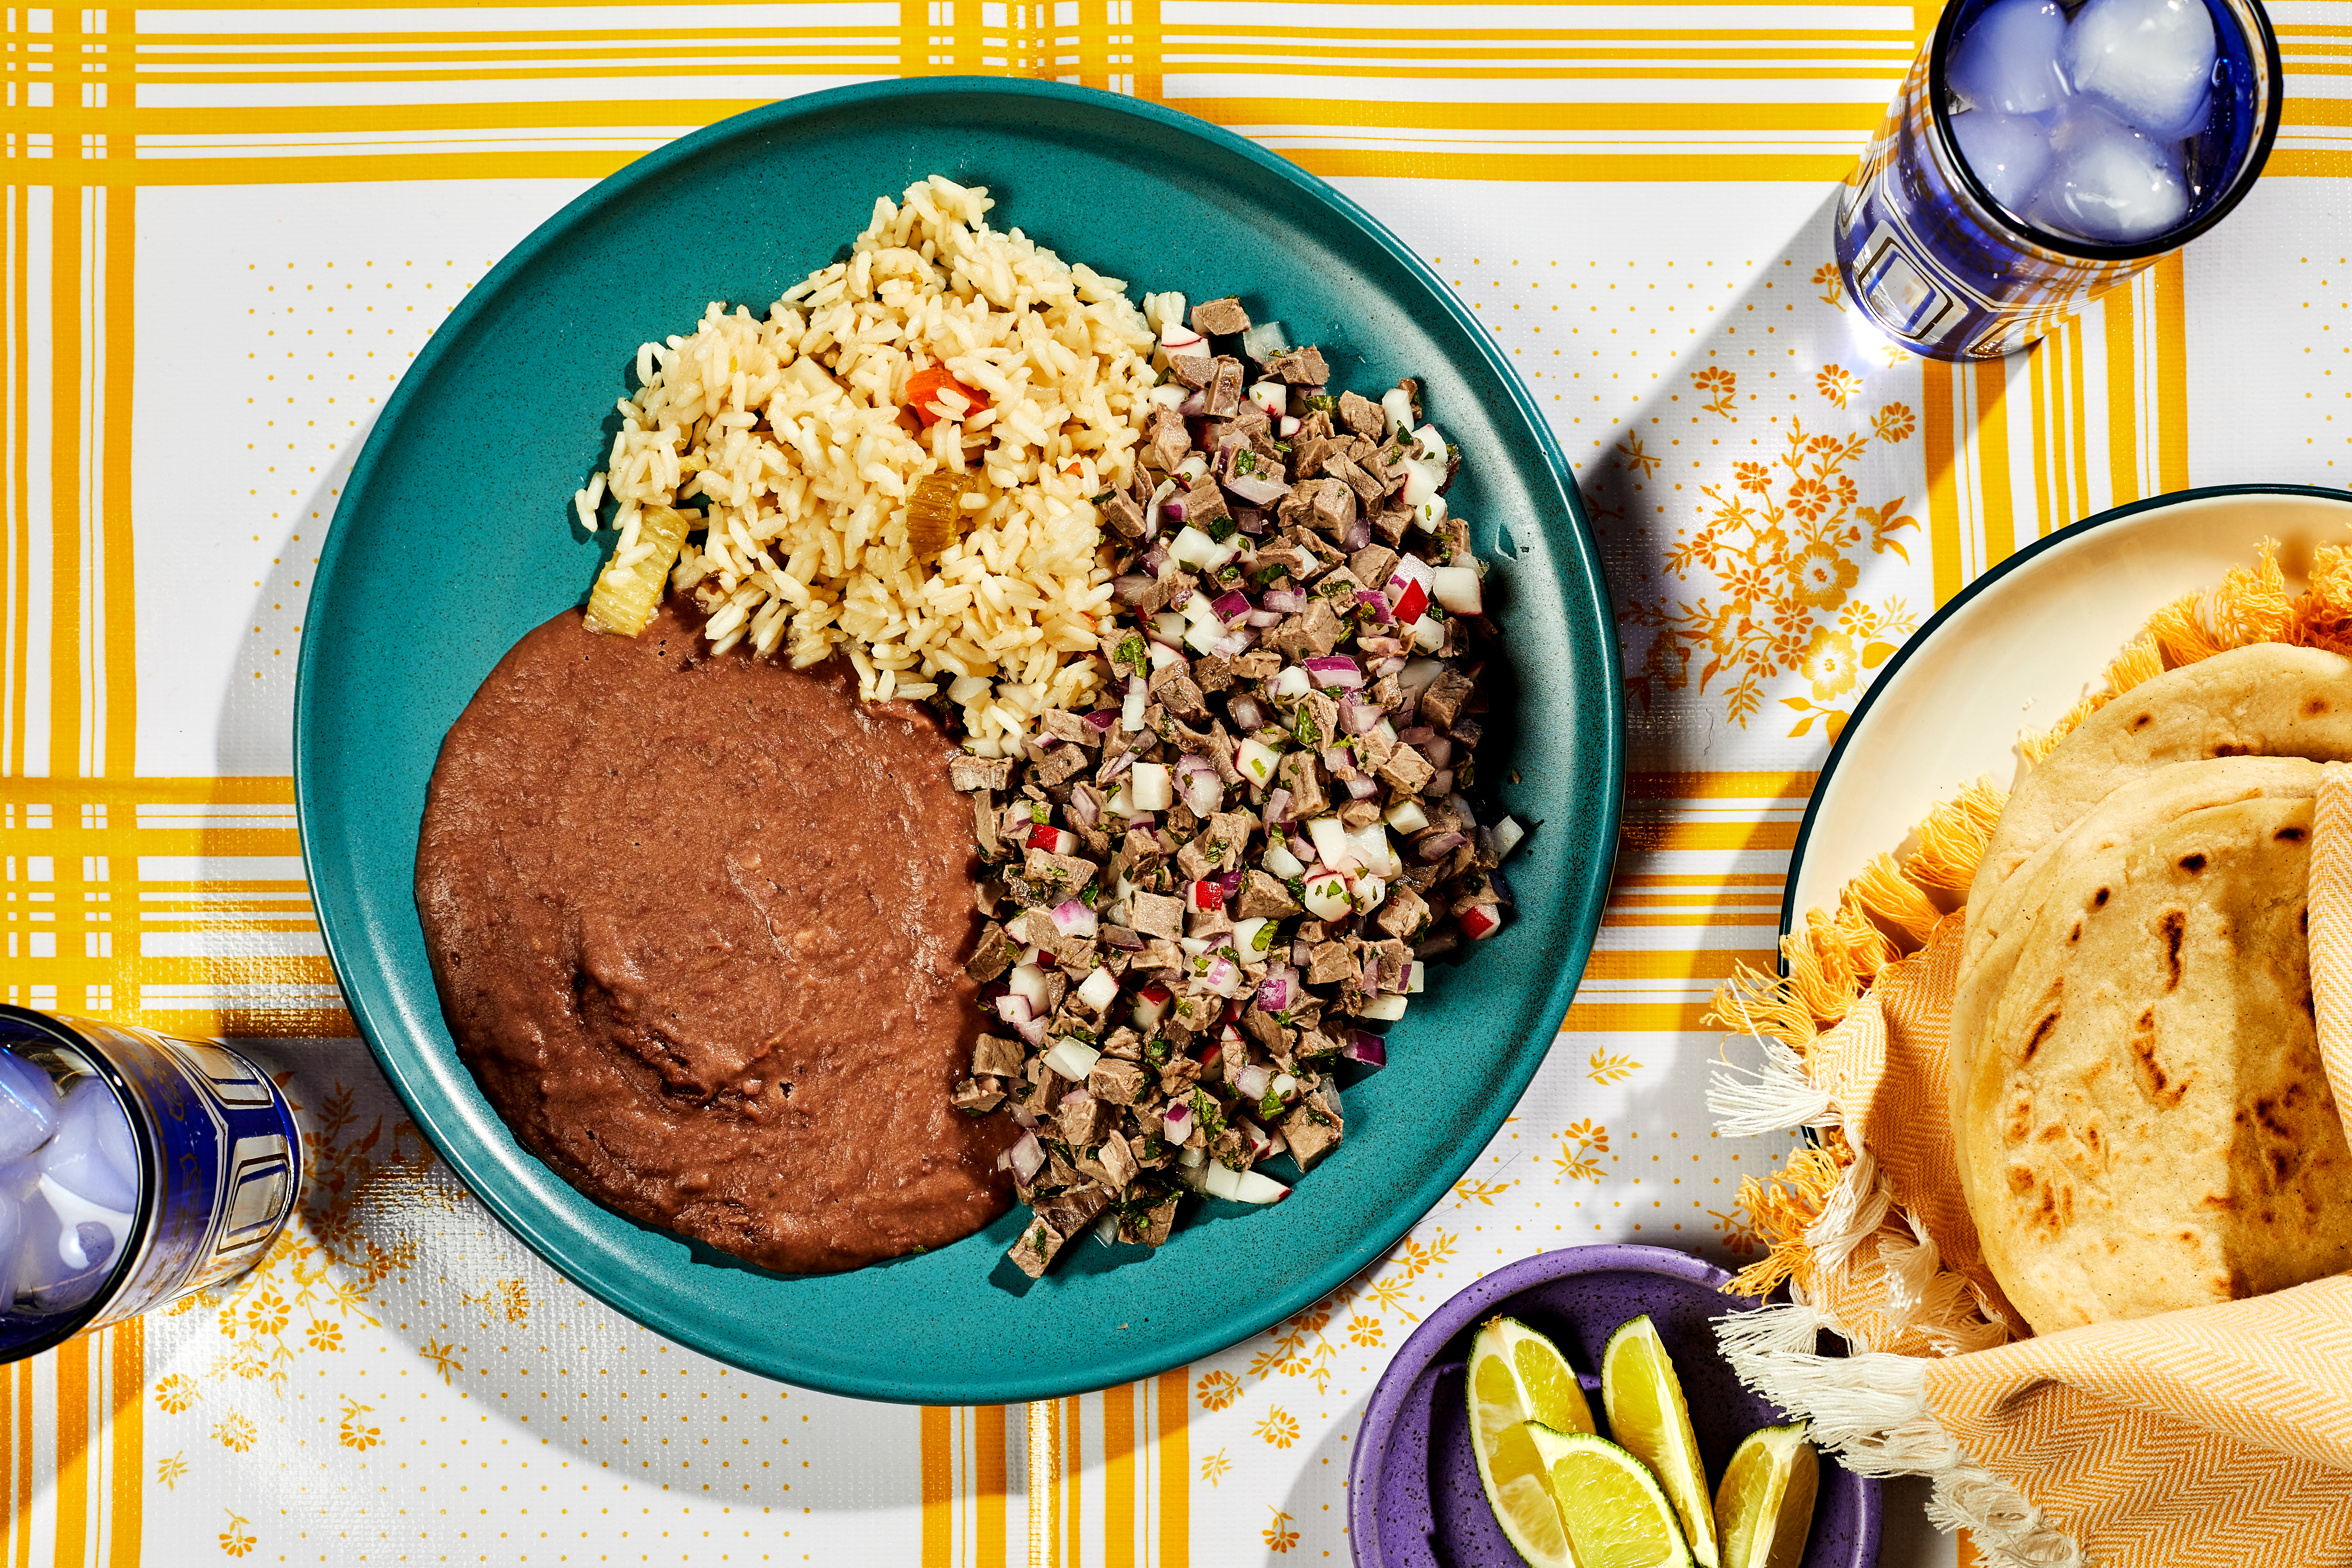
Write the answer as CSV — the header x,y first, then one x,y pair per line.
x,y
2108,183
2009,152
2009,60
28,1106
92,1154
2148,62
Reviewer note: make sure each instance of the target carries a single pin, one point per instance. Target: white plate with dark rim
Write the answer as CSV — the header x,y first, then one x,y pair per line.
x,y
2021,646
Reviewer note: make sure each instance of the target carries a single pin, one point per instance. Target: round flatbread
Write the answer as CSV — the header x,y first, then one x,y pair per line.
x,y
2090,852
2268,699
2146,1122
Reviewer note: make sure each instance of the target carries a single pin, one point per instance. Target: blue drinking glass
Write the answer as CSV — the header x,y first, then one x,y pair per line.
x,y
207,1176
1943,268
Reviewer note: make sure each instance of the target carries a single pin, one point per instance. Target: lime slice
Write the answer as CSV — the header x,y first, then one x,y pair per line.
x,y
1612,1507
1764,1510
1517,1375
1646,1414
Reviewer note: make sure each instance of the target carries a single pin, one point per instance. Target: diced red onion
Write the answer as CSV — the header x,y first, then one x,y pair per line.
x,y
1028,1156
1251,1080
1178,1121
1103,719
1249,520
1414,734
1231,881
1438,749
1232,643
1304,851
1439,846
1121,937
1375,606
1223,977
1113,768
1196,405
1262,619
1360,533
1013,1009
1246,709
1287,601
1034,1031
1259,490
1360,718
1441,783
1130,589
1153,559
1392,665
1229,606
1196,778
1274,993
1461,808
1073,917
1175,510
1333,669
1362,787
1366,1047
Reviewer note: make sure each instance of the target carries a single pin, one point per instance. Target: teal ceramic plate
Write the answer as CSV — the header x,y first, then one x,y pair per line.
x,y
452,540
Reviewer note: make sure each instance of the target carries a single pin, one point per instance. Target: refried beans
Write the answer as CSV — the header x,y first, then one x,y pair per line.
x,y
700,926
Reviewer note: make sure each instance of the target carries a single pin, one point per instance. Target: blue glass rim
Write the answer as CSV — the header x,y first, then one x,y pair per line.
x,y
142,1133
2066,248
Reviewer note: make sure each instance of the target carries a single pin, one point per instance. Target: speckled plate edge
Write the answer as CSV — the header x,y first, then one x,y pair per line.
x,y
1580,908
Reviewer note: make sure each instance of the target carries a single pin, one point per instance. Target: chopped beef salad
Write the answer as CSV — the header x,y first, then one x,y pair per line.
x,y
1208,894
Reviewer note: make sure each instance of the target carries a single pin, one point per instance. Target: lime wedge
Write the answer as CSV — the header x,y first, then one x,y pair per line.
x,y
1517,1375
1764,1510
1613,1509
1646,1414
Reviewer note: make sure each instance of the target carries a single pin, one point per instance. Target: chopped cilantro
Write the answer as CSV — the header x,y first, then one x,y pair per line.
x,y
1220,529
1212,1118
1305,729
1270,1106
1133,653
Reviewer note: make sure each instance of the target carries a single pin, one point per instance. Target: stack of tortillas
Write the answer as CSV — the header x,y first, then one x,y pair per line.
x,y
2142,1118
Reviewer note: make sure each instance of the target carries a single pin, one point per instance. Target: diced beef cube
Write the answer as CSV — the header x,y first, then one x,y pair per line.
x,y
1161,954
1191,370
1306,455
1266,1029
1389,527
1165,440
1224,394
974,1099
1044,1093
1124,516
1333,508
1300,367
1139,853
967,772
1231,1148
1372,564
1074,1209
993,1054
1387,959
1082,1118
1213,672
1060,764
1359,813
1442,703
1226,834
1349,472
1340,586
1263,898
1207,925
1220,318
1035,928
1314,1127
1177,692
1124,1044
1157,916
1291,558
994,955
1113,1164
1039,1241
1193,861
1331,961
1297,773
1204,503
1405,771
1064,725
1322,716
1114,1082
1066,871
1362,416
1258,664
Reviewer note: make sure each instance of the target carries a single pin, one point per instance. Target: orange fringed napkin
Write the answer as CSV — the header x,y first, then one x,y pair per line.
x,y
2219,1436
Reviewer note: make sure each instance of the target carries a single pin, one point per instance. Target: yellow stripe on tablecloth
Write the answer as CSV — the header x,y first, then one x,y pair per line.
x,y
1171,1399
126,1428
72,1489
934,1468
1119,1473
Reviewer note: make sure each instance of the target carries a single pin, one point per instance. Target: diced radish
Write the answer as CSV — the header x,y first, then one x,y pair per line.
x,y
1191,1159
1204,895
1331,838
1406,816
1291,681
1509,834
1387,1009
1191,469
1099,990
1138,697
1192,548
1285,426
1420,480
1369,846
1252,938
1458,589
1415,973
1169,395
1272,396
1366,1047
1254,760
1261,1143
1028,983
1428,636
1160,498
1253,1082
1053,840
1428,446
1174,334
1281,863
1327,896
1397,405
1480,921
1150,1005
1150,788
1414,679
1371,893
1250,1187
1429,514
1072,1060
1073,917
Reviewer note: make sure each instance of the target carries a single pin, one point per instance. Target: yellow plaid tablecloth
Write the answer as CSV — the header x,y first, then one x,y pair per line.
x,y
225,231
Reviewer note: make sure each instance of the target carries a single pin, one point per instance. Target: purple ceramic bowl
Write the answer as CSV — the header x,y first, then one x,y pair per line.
x,y
1413,1498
